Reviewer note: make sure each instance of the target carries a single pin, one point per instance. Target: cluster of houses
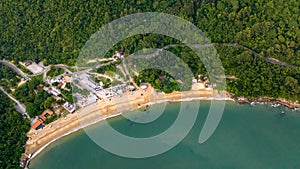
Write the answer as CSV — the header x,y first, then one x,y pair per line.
x,y
83,101
62,80
38,122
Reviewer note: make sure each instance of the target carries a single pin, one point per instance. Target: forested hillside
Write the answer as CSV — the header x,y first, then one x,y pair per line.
x,y
13,134
55,31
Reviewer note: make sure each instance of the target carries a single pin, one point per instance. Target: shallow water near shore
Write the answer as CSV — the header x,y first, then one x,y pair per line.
x,y
247,137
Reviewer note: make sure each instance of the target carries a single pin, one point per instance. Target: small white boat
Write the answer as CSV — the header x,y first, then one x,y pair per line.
x,y
282,113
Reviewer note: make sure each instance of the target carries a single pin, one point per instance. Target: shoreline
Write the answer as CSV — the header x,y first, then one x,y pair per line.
x,y
112,110
274,102
89,115
70,132
120,113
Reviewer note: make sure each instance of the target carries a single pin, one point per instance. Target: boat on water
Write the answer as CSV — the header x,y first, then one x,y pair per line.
x,y
282,113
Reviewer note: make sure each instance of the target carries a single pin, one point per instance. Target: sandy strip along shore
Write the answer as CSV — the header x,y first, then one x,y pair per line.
x,y
104,109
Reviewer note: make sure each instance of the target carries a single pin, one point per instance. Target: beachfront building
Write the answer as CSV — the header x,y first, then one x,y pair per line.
x,y
37,123
69,107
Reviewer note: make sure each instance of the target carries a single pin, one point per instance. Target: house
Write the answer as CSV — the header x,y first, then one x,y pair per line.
x,y
63,85
67,79
131,88
144,86
37,124
43,115
208,85
55,91
41,85
69,107
119,54
60,84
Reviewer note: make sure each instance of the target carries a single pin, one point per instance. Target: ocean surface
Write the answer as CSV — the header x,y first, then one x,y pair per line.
x,y
248,137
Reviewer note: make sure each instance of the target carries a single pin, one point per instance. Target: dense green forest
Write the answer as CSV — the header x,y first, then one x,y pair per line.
x,y
55,31
54,71
8,78
13,134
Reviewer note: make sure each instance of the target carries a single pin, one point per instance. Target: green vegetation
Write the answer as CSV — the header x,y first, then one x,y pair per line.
x,y
13,134
76,89
8,78
166,84
67,95
54,71
23,68
34,97
110,67
51,118
106,82
54,32
258,77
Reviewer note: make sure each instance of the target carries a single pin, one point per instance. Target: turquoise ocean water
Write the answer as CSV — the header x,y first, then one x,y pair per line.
x,y
247,138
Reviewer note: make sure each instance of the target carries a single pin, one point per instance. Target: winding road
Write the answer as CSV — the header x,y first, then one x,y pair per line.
x,y
16,69
20,107
267,59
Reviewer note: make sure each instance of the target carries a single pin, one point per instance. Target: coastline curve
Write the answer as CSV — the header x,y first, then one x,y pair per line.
x,y
172,26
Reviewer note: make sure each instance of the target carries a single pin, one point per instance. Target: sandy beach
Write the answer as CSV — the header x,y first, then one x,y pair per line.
x,y
104,109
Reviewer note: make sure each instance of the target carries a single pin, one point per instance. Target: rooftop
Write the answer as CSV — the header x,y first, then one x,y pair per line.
x,y
38,124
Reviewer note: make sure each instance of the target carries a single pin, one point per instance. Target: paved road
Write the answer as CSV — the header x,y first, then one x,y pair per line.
x,y
267,59
16,69
20,107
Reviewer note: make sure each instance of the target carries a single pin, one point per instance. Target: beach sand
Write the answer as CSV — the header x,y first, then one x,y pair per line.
x,y
104,109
